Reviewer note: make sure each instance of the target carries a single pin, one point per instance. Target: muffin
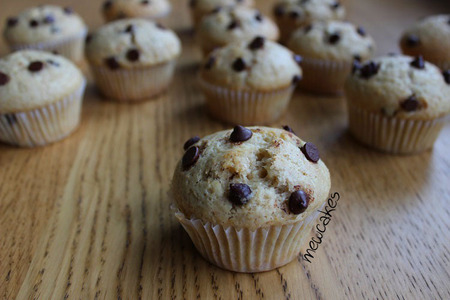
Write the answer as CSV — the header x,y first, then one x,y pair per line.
x,y
50,28
329,49
124,9
200,8
132,59
291,15
398,103
249,82
40,98
233,24
430,38
248,197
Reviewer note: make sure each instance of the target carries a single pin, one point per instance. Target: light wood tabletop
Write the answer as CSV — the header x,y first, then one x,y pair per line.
x,y
89,217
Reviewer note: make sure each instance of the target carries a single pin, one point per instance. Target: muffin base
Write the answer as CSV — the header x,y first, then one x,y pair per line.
x,y
246,107
45,125
136,84
71,47
244,250
393,135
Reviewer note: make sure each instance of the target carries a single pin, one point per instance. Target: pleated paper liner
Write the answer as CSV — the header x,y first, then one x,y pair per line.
x,y
133,84
393,135
45,125
244,250
70,47
246,107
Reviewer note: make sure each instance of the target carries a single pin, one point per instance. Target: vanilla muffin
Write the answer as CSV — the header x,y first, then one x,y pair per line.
x,y
291,15
248,197
430,38
249,82
398,103
329,49
40,98
124,9
200,8
47,27
132,59
233,24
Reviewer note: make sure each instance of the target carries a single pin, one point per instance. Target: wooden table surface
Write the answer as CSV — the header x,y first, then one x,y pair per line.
x,y
89,217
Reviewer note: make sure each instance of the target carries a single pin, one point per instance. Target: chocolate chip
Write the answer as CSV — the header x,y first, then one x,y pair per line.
x,y
446,74
11,119
259,17
418,63
35,66
190,157
210,62
307,28
240,134
161,26
234,24
49,19
296,79
33,23
311,152
133,55
129,28
145,2
370,69
279,10
192,3
239,65
4,78
257,43
107,5
298,59
335,5
68,10
334,38
88,38
55,52
298,202
357,57
191,142
361,31
294,14
412,40
239,193
11,22
112,63
288,128
410,104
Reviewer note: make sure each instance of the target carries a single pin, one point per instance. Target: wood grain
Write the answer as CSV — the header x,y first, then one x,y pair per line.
x,y
89,218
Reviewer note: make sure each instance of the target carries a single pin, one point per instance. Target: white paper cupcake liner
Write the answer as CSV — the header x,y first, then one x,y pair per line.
x,y
70,47
394,135
323,76
244,250
246,107
45,125
133,84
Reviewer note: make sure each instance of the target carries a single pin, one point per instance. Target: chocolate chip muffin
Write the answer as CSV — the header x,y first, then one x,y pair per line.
x,y
40,98
233,24
123,9
430,38
132,59
248,197
291,15
47,27
249,82
200,8
329,49
398,103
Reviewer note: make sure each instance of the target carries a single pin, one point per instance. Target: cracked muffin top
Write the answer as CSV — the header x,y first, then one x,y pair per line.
x,y
122,9
401,86
256,64
249,178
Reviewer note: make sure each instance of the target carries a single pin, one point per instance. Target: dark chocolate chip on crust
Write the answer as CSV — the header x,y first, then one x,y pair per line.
x,y
145,2
412,40
410,104
357,57
288,128
49,19
161,26
129,28
240,134
35,66
294,14
311,152
233,24
298,202
418,63
88,38
4,78
446,74
239,65
335,5
68,10
112,63
257,43
33,23
11,22
210,63
296,79
259,17
361,31
370,69
133,55
334,38
297,58
191,142
190,157
239,193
